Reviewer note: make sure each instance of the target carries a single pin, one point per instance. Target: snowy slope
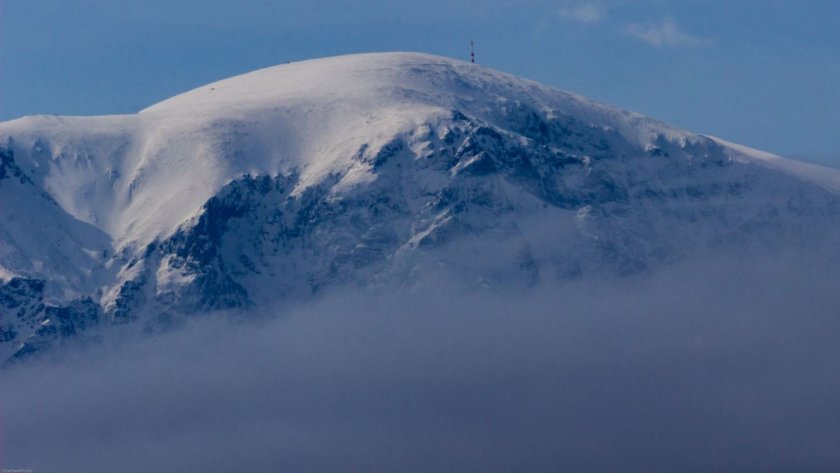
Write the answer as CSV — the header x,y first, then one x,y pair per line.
x,y
365,168
827,178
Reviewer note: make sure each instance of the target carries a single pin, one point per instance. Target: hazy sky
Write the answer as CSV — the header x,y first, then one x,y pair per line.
x,y
763,73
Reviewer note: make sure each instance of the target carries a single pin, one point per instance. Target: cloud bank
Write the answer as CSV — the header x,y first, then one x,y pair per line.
x,y
720,366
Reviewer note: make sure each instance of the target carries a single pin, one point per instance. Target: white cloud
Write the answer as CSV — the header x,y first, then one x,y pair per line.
x,y
665,34
584,13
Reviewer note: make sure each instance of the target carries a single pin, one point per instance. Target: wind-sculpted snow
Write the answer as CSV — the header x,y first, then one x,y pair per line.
x,y
363,170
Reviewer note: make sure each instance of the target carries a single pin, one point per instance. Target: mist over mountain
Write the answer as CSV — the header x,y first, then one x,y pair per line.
x,y
412,263
725,364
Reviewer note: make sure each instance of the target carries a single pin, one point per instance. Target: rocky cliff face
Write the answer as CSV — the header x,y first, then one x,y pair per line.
x,y
125,222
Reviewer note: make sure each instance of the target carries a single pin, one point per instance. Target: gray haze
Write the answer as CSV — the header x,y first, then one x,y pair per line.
x,y
728,366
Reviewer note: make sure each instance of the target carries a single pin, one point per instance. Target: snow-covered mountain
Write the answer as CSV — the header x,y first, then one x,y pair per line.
x,y
363,169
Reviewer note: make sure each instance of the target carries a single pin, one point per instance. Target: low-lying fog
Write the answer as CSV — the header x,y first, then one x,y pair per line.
x,y
726,366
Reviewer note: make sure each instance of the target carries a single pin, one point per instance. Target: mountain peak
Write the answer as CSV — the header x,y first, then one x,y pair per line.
x,y
316,78
369,168
391,80
153,170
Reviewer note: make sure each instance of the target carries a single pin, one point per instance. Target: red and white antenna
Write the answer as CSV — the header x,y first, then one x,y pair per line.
x,y
472,51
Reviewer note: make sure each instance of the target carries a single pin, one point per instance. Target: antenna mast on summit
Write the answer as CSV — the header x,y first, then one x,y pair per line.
x,y
472,51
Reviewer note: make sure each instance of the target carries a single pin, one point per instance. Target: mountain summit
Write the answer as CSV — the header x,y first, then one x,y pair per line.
x,y
362,169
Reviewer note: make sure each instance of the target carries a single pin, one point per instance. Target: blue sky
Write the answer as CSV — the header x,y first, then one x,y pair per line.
x,y
762,73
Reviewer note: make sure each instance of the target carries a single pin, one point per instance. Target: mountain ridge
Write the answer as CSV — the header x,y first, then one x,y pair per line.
x,y
360,169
